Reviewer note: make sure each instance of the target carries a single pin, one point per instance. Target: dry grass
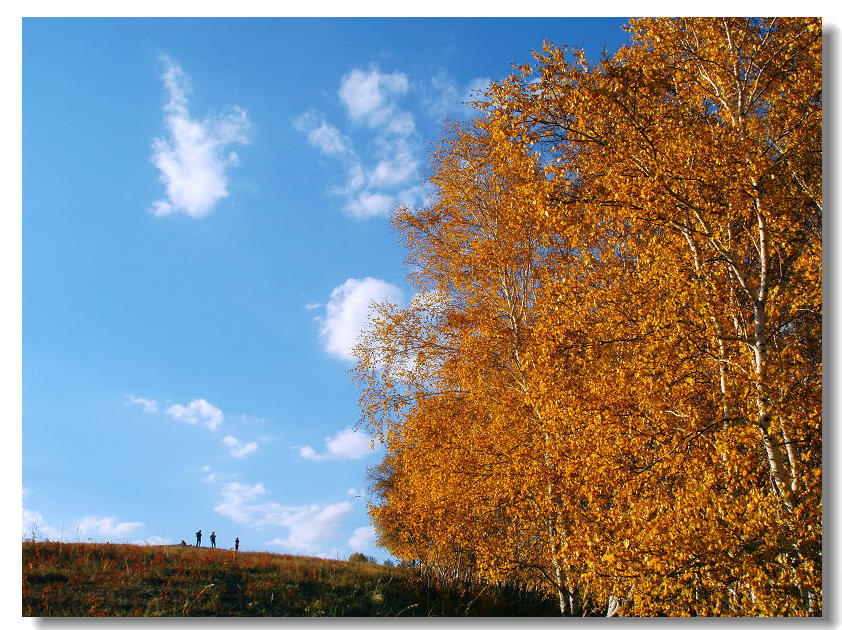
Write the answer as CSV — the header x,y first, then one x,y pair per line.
x,y
86,580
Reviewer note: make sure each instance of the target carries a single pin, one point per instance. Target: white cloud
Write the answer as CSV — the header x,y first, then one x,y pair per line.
x,y
393,154
194,157
321,134
250,419
34,525
149,406
333,554
367,205
239,449
307,452
362,539
345,445
356,179
401,123
369,95
107,527
213,476
153,540
199,410
419,195
396,167
307,527
93,527
238,501
327,138
347,313
444,96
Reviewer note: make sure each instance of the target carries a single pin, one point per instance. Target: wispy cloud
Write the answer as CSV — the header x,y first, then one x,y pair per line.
x,y
194,155
445,96
362,539
107,527
149,406
35,525
369,97
210,477
103,528
347,312
368,204
239,502
250,419
238,449
397,164
442,94
345,445
322,135
389,174
198,411
333,554
307,527
152,540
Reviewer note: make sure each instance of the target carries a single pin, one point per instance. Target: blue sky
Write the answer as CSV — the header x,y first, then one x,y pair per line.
x,y
204,221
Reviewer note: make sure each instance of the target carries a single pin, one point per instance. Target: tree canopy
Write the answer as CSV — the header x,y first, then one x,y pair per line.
x,y
609,385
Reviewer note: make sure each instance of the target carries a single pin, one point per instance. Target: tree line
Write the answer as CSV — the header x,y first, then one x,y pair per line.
x,y
609,384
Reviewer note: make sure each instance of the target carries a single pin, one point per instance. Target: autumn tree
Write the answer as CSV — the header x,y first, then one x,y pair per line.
x,y
475,265
610,383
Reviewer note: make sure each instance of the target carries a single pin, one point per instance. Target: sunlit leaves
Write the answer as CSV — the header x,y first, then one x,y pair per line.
x,y
618,397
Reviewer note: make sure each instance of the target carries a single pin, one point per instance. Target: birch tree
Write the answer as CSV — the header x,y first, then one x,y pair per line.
x,y
613,387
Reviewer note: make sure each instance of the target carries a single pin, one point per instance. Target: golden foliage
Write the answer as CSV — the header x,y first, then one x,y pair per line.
x,y
610,384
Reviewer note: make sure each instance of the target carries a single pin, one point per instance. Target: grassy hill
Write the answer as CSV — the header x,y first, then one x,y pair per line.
x,y
82,580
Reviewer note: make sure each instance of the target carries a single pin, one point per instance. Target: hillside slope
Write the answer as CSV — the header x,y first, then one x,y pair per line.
x,y
81,580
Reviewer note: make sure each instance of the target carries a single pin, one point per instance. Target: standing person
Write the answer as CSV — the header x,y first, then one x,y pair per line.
x,y
237,544
199,538
213,540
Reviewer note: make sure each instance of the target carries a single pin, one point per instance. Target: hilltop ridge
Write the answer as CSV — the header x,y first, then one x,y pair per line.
x,y
114,580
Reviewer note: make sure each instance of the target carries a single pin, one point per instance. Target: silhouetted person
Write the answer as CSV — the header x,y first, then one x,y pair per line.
x,y
236,544
183,543
213,540
199,538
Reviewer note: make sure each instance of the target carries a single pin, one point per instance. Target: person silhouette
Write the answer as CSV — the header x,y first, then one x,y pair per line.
x,y
199,538
237,544
213,540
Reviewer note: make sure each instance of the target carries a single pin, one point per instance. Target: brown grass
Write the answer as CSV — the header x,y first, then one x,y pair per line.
x,y
88,580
